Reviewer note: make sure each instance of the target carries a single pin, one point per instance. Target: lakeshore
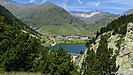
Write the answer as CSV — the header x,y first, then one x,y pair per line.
x,y
74,56
53,40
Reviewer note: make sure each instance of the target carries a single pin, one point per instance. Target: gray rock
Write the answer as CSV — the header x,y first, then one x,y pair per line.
x,y
125,72
131,37
131,56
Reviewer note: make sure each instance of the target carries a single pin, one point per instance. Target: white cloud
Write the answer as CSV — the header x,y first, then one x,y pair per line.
x,y
124,2
93,3
31,1
115,8
80,2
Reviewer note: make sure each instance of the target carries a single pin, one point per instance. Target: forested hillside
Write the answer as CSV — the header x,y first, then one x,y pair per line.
x,y
118,25
107,51
21,52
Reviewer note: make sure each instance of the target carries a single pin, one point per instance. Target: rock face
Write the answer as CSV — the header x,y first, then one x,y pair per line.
x,y
80,59
125,57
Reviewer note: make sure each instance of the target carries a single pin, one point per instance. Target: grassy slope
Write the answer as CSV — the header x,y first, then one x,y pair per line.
x,y
70,41
12,20
64,29
130,11
95,23
50,19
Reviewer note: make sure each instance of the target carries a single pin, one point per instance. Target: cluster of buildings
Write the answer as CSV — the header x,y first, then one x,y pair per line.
x,y
73,37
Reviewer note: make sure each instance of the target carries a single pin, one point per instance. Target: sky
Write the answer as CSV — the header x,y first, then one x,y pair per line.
x,y
112,6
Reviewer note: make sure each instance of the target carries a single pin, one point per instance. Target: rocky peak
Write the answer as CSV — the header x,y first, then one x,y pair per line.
x,y
87,14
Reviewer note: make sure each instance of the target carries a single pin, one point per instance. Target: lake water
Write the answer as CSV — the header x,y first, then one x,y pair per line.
x,y
71,47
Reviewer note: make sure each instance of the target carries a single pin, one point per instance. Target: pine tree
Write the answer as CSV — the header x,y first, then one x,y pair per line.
x,y
63,63
90,64
17,49
101,61
105,57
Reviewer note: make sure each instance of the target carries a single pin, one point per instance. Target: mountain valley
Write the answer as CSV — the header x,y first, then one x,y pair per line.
x,y
50,19
95,19
27,31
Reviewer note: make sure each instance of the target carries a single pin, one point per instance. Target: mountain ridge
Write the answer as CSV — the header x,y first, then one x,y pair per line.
x,y
87,14
46,16
93,22
96,19
128,12
14,7
12,20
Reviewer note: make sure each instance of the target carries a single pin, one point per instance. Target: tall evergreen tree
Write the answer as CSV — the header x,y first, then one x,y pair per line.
x,y
105,57
90,64
63,63
17,49
101,62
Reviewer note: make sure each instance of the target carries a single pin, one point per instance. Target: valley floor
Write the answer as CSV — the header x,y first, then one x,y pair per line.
x,y
51,41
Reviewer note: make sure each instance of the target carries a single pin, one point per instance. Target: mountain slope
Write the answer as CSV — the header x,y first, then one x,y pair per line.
x,y
12,20
19,45
49,18
20,52
111,49
128,12
95,19
14,7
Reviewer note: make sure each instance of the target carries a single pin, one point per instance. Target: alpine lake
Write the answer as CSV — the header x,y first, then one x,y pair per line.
x,y
73,48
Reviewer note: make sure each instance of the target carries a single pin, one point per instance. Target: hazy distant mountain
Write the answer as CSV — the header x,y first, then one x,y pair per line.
x,y
14,7
95,19
82,14
128,12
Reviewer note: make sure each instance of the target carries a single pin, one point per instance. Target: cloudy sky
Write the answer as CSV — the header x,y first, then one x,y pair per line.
x,y
112,6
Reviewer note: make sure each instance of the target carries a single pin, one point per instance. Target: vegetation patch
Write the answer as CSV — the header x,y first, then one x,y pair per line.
x,y
70,41
119,41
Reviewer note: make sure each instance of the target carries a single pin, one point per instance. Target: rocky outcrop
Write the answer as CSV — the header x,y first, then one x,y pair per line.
x,y
80,59
125,57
